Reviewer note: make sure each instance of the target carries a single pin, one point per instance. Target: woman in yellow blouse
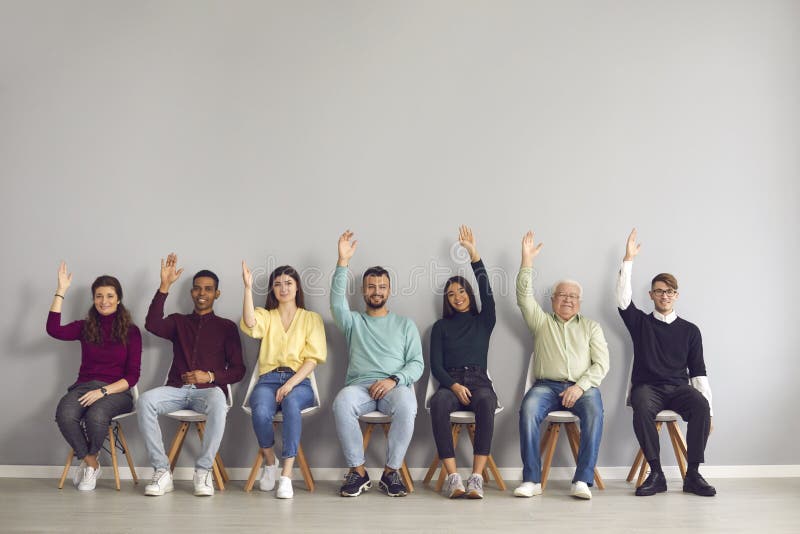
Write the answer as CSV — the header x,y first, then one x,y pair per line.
x,y
293,343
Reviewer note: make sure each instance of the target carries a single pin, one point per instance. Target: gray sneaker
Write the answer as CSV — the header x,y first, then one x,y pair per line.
x,y
475,487
453,486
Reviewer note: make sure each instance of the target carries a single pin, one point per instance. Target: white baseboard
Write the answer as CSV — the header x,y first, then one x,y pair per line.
x,y
418,473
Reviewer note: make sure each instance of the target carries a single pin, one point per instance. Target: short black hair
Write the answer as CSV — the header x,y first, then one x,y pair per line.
x,y
376,271
209,274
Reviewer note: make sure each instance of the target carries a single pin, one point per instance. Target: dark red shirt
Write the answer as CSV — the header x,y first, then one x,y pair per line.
x,y
107,361
199,342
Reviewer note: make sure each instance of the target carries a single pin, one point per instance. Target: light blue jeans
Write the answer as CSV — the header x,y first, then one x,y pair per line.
x,y
543,398
166,399
354,400
262,402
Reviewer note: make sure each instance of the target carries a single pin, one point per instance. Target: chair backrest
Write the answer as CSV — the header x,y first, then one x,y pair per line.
x,y
529,378
254,376
433,386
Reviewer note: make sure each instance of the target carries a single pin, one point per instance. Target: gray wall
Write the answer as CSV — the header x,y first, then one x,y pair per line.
x,y
261,130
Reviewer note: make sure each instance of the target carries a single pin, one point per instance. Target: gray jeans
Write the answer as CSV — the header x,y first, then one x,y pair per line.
x,y
86,428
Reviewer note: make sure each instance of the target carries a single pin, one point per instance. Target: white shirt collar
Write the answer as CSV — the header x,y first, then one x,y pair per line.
x,y
668,318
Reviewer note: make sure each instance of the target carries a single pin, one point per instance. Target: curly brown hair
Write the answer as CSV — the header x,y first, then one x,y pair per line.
x,y
123,321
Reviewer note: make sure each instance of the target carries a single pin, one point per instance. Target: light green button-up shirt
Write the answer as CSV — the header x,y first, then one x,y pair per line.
x,y
574,350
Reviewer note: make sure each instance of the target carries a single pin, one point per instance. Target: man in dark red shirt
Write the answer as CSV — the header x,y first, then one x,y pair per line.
x,y
207,356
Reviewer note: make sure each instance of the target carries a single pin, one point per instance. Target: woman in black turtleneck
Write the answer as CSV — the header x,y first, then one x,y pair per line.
x,y
459,348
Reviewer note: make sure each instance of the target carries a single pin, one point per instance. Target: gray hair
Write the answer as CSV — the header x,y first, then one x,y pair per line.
x,y
567,281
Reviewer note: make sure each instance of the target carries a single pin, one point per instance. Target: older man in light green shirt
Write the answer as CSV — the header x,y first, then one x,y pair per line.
x,y
570,359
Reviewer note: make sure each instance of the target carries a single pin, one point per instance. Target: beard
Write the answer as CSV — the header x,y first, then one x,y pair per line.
x,y
374,306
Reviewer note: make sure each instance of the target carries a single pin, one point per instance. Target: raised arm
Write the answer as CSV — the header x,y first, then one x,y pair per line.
x,y
339,307
64,281
248,309
155,321
69,332
531,311
467,240
624,289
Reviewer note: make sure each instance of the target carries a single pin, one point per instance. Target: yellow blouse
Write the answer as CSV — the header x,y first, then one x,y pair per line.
x,y
305,339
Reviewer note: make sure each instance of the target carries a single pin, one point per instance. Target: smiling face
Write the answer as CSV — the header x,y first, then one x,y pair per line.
x,y
106,300
204,293
376,291
566,301
284,288
458,297
663,297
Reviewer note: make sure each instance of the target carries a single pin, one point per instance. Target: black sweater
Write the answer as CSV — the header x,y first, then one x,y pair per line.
x,y
662,352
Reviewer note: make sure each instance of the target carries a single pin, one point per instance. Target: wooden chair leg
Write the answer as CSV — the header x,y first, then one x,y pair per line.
x,y
636,461
222,469
251,480
455,432
112,449
67,465
127,453
552,431
431,470
304,469
368,434
501,484
177,444
676,437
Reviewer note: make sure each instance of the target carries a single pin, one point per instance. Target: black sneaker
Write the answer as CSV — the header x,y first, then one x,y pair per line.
x,y
354,484
392,485
694,483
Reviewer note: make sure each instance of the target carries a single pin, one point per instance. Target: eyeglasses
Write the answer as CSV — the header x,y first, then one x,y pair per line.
x,y
668,292
568,296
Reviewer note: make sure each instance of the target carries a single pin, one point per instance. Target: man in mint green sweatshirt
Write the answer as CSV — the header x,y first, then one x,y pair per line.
x,y
385,360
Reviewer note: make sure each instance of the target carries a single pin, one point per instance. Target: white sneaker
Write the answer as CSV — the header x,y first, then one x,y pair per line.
x,y
90,476
285,490
268,477
77,475
160,484
203,485
580,490
528,489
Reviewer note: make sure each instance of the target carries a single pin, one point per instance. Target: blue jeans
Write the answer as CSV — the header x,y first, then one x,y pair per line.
x,y
166,399
543,398
262,402
354,400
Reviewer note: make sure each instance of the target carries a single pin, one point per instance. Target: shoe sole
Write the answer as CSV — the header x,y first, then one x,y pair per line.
x,y
525,495
159,493
648,494
456,494
364,487
384,488
204,493
700,494
582,496
474,495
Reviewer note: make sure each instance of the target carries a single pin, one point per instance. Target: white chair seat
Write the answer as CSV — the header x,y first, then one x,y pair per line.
x,y
466,417
375,417
665,416
561,416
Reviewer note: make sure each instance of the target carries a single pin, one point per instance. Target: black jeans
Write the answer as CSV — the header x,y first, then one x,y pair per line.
x,y
483,402
647,400
88,438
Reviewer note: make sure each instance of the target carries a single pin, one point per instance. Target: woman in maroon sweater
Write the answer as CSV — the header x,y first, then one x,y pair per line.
x,y
111,355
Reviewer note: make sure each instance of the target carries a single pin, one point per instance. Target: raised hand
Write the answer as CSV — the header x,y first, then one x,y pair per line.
x,y
632,247
247,276
347,247
64,279
467,240
169,273
529,249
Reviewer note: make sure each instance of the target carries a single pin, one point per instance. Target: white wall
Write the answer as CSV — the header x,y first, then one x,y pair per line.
x,y
261,130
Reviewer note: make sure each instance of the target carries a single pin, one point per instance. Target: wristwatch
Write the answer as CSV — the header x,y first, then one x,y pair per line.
x,y
396,379
104,391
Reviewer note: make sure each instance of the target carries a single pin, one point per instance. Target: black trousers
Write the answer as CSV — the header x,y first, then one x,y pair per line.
x,y
88,438
647,400
483,402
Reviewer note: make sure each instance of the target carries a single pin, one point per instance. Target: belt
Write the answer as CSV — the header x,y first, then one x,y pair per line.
x,y
464,368
283,370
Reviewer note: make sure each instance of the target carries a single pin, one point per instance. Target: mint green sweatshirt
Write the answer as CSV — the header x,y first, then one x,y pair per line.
x,y
379,346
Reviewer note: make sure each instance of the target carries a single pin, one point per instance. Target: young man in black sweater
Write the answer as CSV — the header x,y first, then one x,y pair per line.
x,y
664,348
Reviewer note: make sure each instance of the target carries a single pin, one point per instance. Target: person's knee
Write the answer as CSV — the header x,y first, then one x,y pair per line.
x,y
147,402
97,419
344,405
405,408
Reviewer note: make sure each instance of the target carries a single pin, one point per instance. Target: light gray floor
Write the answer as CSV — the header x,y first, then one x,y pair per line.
x,y
742,505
